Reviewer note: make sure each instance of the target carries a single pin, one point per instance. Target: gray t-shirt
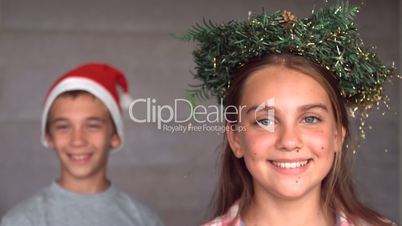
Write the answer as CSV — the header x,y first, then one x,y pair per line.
x,y
55,206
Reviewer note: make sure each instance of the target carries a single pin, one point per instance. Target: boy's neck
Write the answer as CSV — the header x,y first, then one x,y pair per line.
x,y
84,186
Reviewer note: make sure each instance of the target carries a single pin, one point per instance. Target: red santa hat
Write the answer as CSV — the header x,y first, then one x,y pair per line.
x,y
101,80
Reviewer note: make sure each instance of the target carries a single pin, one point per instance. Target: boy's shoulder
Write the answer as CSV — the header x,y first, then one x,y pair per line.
x,y
24,212
137,208
51,202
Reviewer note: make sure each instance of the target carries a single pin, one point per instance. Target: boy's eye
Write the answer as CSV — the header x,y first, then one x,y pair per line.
x,y
94,125
61,127
311,119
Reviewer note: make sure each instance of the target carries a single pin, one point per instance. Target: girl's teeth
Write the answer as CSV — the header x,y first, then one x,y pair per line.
x,y
290,165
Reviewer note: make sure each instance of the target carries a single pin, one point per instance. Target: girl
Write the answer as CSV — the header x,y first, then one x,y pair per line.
x,y
286,161
297,172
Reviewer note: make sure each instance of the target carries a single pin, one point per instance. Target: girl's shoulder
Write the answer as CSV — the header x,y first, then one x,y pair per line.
x,y
342,221
230,218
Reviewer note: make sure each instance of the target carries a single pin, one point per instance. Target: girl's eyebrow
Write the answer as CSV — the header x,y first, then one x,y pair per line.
x,y
300,108
312,106
255,107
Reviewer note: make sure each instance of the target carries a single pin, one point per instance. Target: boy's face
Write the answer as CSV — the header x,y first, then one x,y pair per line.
x,y
81,132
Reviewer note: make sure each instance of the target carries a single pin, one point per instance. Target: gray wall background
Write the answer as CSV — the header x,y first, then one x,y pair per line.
x,y
173,173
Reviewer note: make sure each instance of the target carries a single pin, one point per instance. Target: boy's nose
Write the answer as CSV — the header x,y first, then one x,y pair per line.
x,y
78,138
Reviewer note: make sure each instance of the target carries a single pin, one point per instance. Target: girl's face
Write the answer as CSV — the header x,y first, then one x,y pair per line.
x,y
288,133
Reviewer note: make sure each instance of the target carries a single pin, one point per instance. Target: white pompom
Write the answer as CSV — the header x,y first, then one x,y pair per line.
x,y
125,101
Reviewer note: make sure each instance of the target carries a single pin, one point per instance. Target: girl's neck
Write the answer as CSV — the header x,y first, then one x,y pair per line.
x,y
266,209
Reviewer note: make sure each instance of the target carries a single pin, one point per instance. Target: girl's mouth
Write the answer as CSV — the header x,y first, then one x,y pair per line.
x,y
290,164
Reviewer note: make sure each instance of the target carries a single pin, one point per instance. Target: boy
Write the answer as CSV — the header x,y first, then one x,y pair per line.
x,y
82,123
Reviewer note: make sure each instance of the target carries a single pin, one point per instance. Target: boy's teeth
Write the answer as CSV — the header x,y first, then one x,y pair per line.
x,y
79,157
290,165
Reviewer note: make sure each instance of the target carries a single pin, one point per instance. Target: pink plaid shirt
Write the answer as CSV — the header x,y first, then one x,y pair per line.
x,y
232,218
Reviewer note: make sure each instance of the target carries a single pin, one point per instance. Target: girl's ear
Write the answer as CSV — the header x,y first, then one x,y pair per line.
x,y
233,136
340,137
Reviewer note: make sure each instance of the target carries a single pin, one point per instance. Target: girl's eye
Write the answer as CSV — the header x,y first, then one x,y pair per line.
x,y
266,122
311,119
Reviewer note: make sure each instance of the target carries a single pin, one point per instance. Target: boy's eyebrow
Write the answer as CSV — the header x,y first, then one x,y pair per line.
x,y
55,120
300,108
95,118
92,118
